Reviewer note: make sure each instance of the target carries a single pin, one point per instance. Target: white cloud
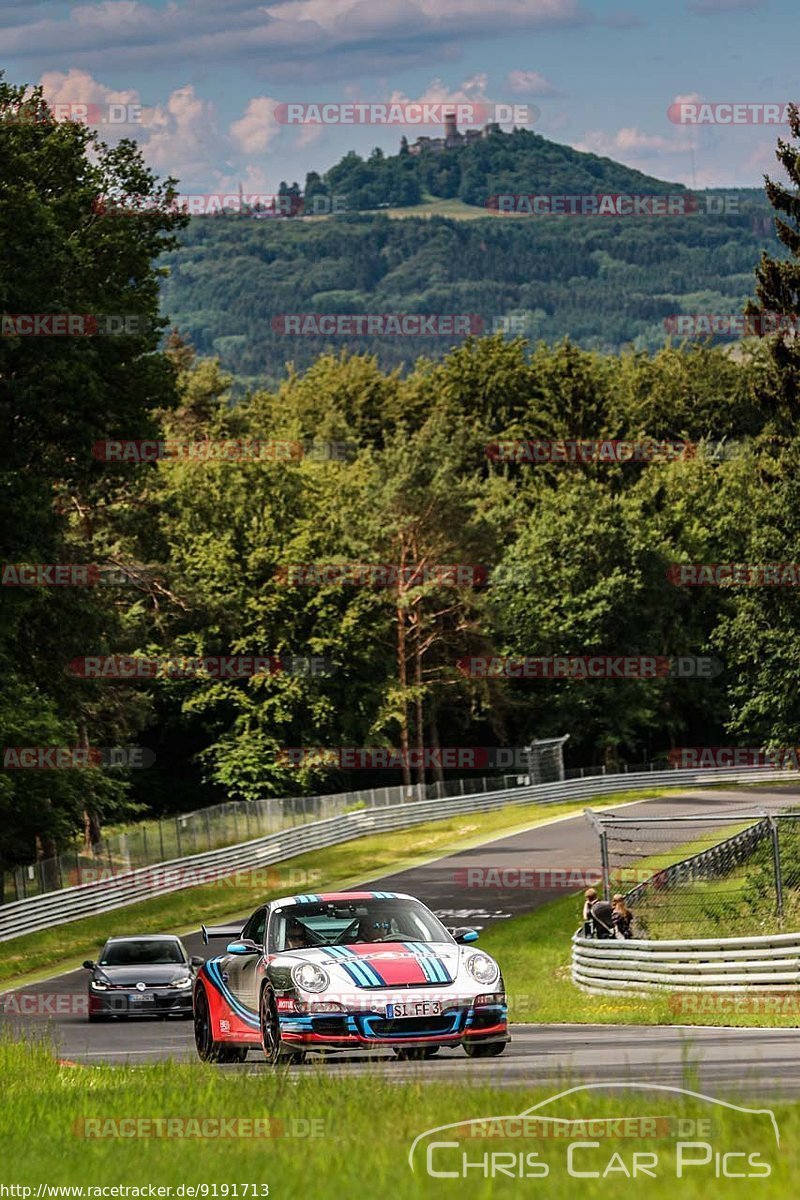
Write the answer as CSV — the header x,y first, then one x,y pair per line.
x,y
632,142
182,138
253,132
79,87
530,83
324,36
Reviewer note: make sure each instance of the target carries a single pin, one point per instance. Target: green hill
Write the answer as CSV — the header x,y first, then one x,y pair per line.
x,y
604,281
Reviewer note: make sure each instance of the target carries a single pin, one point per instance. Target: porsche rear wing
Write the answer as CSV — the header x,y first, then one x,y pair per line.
x,y
231,932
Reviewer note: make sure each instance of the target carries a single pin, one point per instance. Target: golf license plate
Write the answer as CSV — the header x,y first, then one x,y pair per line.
x,y
141,997
417,1008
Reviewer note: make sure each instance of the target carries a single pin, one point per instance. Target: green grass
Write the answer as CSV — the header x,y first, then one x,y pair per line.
x,y
364,1128
65,946
535,953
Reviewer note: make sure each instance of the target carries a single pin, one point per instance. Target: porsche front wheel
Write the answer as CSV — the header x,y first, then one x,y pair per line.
x,y
484,1049
208,1049
274,1050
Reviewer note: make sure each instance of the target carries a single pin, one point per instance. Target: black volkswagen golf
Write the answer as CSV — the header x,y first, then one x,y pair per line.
x,y
146,976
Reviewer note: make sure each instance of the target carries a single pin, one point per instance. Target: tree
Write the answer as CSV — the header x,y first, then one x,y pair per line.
x,y
65,253
778,289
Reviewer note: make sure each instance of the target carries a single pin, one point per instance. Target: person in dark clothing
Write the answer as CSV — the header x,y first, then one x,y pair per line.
x,y
621,918
589,897
602,926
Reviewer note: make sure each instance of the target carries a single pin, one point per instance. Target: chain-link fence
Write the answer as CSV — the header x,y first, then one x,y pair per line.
x,y
157,841
727,875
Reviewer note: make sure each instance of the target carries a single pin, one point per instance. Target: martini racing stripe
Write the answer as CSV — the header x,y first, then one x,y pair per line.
x,y
362,973
431,964
396,966
309,899
215,978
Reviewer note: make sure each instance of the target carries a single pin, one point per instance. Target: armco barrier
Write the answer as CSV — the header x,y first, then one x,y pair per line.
x,y
770,963
89,899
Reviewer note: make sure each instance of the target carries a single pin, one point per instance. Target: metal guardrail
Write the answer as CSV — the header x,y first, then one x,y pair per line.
x,y
729,965
185,834
90,899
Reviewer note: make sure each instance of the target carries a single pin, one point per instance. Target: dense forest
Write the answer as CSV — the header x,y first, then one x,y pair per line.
x,y
606,282
579,559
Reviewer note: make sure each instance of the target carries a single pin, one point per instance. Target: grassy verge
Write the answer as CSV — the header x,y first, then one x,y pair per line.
x,y
343,1137
535,954
65,946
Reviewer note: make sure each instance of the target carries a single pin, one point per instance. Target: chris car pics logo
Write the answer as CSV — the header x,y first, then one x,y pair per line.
x,y
652,1132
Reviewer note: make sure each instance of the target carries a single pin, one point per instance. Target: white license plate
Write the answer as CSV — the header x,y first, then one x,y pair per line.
x,y
139,997
418,1008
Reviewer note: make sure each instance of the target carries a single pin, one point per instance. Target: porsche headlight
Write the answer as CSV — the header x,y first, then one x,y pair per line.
x,y
185,981
309,977
482,968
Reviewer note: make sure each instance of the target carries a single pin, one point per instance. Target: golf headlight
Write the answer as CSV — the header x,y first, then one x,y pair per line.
x,y
185,981
482,968
97,985
309,977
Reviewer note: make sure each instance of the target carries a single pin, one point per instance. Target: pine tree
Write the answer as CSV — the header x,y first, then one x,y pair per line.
x,y
778,288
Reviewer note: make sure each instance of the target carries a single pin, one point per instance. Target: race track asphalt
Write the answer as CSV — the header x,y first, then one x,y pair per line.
x,y
742,1061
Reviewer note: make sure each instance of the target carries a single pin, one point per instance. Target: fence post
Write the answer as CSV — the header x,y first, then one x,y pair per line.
x,y
604,863
776,861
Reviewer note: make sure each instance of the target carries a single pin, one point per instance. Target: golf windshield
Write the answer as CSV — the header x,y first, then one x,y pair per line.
x,y
140,953
347,922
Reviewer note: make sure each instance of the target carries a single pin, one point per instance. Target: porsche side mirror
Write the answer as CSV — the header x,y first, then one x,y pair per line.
x,y
246,946
464,936
196,961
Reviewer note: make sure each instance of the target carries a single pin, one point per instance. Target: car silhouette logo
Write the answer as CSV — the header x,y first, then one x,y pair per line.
x,y
140,987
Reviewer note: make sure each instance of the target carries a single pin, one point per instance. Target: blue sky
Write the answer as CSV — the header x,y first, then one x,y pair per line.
x,y
602,75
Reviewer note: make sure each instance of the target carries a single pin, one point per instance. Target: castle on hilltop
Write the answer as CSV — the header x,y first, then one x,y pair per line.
x,y
452,137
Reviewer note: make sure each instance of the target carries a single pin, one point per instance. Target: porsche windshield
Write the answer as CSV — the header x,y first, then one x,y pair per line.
x,y
140,953
347,922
